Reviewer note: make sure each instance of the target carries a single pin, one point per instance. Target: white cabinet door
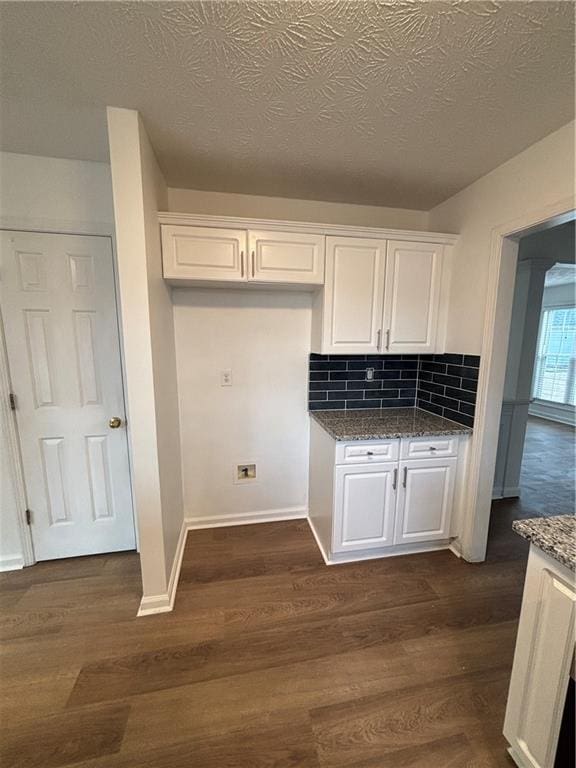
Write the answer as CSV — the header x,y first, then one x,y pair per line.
x,y
364,506
426,493
286,257
413,273
544,654
203,253
353,295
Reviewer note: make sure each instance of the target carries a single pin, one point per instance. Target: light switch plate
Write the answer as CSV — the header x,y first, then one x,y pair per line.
x,y
226,377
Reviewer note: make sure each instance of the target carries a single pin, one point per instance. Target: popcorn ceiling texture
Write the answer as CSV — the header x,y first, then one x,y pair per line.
x,y
385,103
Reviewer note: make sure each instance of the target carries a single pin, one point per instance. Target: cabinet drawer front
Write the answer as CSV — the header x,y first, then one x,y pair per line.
x,y
366,452
203,253
429,447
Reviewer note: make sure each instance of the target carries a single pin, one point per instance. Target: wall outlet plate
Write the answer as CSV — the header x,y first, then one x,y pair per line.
x,y
369,374
226,377
245,473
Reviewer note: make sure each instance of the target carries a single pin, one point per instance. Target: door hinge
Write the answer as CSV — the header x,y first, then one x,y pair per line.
x,y
28,517
12,400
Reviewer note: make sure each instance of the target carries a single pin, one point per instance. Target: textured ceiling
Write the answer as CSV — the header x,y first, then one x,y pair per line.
x,y
387,103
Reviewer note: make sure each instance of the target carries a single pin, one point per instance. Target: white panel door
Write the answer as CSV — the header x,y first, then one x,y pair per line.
x,y
58,306
286,257
413,272
425,498
203,253
353,295
364,507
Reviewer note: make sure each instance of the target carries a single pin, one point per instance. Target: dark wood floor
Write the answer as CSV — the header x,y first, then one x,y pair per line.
x,y
269,659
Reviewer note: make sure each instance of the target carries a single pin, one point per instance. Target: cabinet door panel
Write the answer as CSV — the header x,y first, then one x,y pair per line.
x,y
425,502
203,253
286,257
364,510
413,272
353,294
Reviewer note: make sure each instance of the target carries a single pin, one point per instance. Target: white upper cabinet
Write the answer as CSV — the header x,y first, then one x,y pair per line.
x,y
286,257
353,295
203,253
413,274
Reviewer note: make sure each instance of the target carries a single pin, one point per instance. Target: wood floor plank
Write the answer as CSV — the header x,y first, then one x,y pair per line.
x,y
64,738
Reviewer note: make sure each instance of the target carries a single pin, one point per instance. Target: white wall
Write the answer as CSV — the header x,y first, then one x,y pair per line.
x,y
62,194
534,179
283,209
148,331
45,193
264,338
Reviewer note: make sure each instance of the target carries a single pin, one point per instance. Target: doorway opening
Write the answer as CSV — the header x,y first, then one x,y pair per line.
x,y
69,493
534,474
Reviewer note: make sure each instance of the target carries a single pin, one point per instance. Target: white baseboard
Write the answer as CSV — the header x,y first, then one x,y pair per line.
x,y
163,603
11,563
246,518
513,492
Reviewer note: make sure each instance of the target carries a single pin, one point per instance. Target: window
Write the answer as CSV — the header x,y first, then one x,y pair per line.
x,y
554,373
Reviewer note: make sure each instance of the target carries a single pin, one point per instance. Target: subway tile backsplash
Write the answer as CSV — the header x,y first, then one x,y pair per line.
x,y
441,384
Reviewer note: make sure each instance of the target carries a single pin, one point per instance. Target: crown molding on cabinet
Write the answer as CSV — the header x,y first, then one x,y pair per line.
x,y
234,222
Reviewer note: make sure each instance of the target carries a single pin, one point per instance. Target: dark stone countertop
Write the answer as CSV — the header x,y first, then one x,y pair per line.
x,y
385,424
554,535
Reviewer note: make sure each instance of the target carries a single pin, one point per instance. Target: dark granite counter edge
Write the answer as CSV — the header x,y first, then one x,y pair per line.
x,y
558,544
457,429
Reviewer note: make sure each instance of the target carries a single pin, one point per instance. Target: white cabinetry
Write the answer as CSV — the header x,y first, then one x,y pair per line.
x,y
353,295
203,253
380,296
425,500
200,254
365,499
286,257
413,272
364,506
544,654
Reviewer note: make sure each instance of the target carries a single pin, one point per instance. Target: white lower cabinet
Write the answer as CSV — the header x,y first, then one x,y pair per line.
x,y
360,505
364,506
542,661
425,500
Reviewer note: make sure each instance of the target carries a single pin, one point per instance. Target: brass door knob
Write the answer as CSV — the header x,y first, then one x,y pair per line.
x,y
115,422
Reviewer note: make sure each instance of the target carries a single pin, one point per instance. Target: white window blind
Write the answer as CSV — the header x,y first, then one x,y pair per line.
x,y
554,372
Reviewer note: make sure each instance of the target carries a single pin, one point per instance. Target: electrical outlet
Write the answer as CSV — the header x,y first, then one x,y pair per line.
x,y
226,377
369,374
245,473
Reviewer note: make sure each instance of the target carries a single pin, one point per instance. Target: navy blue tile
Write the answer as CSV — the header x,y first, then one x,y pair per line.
x,y
429,386
410,357
467,408
411,393
319,375
316,356
445,402
390,394
361,366
401,365
353,394
386,357
470,384
426,375
378,394
448,381
347,375
317,386
326,405
355,404
433,367
423,395
452,359
364,385
431,407
327,366
461,418
472,360
384,375
463,371
409,374
461,394
317,396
